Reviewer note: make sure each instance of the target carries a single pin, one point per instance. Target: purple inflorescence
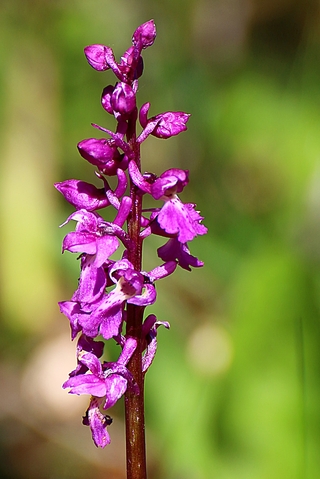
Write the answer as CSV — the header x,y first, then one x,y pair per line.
x,y
98,308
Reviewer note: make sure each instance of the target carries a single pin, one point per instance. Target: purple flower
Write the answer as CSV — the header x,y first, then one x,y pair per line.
x,y
92,281
98,422
131,64
104,313
106,383
163,125
149,332
175,217
107,317
109,380
99,56
169,184
94,236
75,311
182,219
83,195
145,35
103,154
89,237
174,250
123,99
86,344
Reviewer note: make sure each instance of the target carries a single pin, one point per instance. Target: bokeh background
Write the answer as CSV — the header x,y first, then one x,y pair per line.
x,y
234,392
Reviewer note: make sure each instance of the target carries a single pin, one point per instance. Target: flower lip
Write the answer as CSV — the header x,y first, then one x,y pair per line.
x,y
98,423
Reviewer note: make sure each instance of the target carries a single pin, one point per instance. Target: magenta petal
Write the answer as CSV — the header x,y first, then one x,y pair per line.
x,y
91,361
115,386
171,123
125,373
151,338
174,218
123,99
145,35
149,355
146,298
106,98
143,114
137,177
161,185
98,423
131,64
90,323
99,152
90,346
148,130
174,250
162,271
129,348
86,384
106,246
111,324
124,210
79,243
86,344
72,311
182,177
120,265
92,282
97,56
86,221
83,195
131,283
148,324
122,182
196,218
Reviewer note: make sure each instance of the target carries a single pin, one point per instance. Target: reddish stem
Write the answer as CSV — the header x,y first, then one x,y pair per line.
x,y
134,404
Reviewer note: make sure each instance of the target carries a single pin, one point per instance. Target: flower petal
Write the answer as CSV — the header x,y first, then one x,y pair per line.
x,y
145,35
86,384
97,56
115,386
98,423
81,194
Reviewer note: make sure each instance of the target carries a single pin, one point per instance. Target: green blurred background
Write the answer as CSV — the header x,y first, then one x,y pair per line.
x,y
235,387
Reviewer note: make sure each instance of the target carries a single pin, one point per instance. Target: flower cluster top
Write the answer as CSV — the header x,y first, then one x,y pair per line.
x,y
106,286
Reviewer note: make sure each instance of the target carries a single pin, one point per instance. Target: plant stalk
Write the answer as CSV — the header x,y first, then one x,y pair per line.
x,y
134,404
